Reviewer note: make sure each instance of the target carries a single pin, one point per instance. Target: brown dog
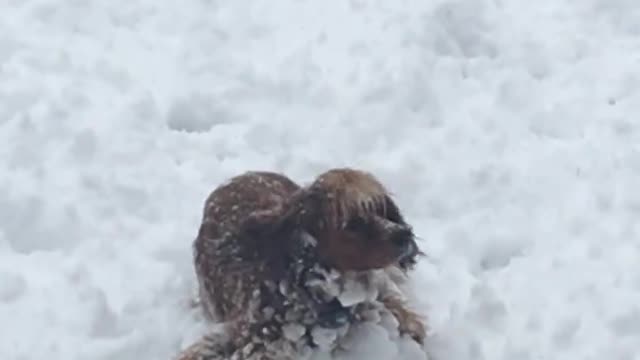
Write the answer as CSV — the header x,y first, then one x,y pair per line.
x,y
264,241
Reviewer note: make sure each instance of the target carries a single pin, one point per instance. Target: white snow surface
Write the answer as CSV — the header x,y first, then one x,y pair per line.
x,y
507,130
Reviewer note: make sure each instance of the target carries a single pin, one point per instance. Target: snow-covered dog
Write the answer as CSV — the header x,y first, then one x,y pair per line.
x,y
287,268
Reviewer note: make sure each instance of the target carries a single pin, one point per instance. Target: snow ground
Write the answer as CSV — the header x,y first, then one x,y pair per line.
x,y
507,129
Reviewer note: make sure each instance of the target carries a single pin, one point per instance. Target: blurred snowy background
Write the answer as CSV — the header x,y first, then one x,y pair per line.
x,y
508,131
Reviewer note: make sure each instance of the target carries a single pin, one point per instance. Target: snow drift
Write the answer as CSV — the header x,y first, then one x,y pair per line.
x,y
506,129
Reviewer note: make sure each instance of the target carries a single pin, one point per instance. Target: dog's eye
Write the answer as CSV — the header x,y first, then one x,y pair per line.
x,y
356,224
392,211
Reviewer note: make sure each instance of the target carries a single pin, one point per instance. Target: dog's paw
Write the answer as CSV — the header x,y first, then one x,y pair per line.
x,y
410,323
413,327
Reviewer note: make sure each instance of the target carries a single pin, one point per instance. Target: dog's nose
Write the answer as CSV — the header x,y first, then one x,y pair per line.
x,y
401,238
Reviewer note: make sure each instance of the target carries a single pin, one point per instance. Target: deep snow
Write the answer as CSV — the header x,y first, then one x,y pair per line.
x,y
508,131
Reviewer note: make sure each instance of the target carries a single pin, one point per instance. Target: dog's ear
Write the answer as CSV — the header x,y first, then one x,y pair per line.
x,y
263,221
302,210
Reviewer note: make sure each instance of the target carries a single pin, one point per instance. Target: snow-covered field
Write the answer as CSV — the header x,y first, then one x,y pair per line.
x,y
508,131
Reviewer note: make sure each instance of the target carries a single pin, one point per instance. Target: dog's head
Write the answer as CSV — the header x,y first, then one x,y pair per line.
x,y
357,224
353,219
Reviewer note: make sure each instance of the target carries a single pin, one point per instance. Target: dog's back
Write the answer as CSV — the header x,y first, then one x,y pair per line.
x,y
218,248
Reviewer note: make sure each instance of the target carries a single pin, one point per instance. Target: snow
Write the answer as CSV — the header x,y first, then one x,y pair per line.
x,y
506,129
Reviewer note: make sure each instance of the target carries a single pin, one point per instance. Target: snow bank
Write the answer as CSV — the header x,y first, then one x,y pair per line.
x,y
507,130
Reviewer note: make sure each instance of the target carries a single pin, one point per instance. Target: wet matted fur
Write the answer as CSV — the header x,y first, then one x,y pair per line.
x,y
266,248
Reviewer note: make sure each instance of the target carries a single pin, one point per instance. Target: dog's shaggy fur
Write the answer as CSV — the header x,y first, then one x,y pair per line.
x,y
267,247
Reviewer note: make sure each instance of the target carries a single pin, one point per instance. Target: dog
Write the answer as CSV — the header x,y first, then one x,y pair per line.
x,y
272,257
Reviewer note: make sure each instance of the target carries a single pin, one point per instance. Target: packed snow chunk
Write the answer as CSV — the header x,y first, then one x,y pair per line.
x,y
293,332
350,288
358,288
411,350
368,341
390,323
325,338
